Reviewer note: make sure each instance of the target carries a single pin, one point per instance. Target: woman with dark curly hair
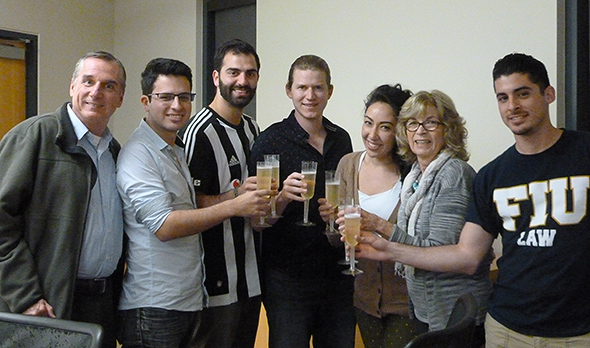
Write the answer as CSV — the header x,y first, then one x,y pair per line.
x,y
373,178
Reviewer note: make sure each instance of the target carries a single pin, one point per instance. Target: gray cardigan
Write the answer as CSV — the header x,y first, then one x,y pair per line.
x,y
439,222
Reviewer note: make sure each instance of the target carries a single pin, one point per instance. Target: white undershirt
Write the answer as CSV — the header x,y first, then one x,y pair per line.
x,y
380,204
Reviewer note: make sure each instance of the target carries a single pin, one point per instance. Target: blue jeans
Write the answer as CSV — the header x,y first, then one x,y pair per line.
x,y
300,309
157,328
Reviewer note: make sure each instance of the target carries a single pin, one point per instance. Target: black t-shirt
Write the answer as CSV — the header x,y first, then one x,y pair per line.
x,y
539,205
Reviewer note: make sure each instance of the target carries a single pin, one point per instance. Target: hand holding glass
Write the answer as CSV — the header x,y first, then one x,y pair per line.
x,y
309,170
352,228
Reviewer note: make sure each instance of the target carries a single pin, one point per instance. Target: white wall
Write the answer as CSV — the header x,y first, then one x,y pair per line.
x,y
66,31
134,30
147,29
449,45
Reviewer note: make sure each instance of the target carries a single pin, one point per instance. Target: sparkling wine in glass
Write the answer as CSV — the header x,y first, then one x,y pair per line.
x,y
344,202
263,182
352,228
275,163
332,195
309,170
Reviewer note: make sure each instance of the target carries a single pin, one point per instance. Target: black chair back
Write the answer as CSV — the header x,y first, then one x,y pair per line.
x,y
19,330
459,330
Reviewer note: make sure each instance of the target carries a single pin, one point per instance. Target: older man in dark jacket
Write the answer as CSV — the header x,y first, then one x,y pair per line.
x,y
61,229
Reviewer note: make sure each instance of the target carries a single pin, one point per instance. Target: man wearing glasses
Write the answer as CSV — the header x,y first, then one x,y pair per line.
x,y
218,142
163,289
535,196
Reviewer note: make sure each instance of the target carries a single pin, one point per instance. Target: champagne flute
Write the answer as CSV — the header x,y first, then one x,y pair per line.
x,y
352,228
275,163
344,202
308,169
263,182
332,192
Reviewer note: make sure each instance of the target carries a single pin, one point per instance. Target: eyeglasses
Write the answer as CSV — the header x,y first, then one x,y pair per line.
x,y
169,97
429,125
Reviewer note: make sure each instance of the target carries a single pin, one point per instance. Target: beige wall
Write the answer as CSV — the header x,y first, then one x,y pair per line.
x,y
449,45
65,33
146,29
134,30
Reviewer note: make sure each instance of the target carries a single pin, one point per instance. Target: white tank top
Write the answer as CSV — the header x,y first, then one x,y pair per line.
x,y
383,203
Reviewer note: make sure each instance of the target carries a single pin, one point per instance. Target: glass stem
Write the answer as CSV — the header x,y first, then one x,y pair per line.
x,y
352,265
331,222
273,206
306,211
346,253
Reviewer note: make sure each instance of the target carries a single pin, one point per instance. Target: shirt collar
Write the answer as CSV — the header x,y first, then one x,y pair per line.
x,y
79,127
154,138
81,130
300,132
226,122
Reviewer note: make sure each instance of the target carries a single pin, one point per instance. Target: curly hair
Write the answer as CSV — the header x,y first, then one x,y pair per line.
x,y
454,131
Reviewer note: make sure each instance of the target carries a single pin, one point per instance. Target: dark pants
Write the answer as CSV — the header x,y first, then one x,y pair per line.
x,y
231,326
94,302
298,310
479,336
157,328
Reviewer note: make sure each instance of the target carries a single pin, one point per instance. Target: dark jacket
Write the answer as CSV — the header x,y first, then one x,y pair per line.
x,y
45,185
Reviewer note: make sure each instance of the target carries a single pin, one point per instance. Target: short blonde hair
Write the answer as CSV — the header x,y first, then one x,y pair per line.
x,y
454,131
309,62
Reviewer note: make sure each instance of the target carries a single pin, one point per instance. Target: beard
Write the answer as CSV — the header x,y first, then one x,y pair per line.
x,y
238,102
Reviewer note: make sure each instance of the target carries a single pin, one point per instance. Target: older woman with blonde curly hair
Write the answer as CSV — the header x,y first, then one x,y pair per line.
x,y
452,125
431,137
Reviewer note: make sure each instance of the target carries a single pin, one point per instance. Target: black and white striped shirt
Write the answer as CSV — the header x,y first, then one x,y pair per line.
x,y
217,153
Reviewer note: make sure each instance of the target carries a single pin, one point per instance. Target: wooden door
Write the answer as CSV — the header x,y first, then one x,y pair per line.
x,y
13,100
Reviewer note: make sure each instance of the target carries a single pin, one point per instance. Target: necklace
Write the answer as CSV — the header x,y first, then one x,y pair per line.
x,y
416,183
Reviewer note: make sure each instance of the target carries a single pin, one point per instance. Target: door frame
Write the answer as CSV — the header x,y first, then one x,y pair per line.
x,y
31,54
574,59
210,7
